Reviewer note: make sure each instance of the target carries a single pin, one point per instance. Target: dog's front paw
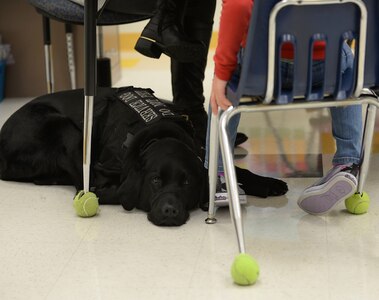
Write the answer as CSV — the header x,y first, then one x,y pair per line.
x,y
276,187
256,185
107,195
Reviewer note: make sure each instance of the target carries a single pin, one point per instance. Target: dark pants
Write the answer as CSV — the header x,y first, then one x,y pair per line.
x,y
187,78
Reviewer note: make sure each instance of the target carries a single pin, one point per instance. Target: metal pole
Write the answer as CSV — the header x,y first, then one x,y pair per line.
x,y
90,11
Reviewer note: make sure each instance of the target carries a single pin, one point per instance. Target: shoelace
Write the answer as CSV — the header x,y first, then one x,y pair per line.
x,y
352,169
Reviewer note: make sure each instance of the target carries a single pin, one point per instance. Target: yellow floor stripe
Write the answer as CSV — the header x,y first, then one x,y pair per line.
x,y
128,40
129,62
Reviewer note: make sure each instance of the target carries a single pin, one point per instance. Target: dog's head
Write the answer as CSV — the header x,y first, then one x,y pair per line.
x,y
163,175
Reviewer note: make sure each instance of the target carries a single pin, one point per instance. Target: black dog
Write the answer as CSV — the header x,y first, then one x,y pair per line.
x,y
143,154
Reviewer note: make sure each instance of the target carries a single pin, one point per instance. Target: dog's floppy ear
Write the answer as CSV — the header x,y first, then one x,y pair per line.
x,y
129,191
131,174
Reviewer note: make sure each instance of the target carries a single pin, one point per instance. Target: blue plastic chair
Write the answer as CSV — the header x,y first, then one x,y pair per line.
x,y
273,23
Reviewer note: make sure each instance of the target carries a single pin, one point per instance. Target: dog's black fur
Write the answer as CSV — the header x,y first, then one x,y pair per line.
x,y
159,171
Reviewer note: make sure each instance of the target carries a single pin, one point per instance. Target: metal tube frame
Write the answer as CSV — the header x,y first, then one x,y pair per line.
x,y
71,55
212,166
226,147
366,145
49,68
227,154
90,14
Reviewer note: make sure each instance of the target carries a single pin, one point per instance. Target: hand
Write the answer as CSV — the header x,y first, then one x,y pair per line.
x,y
218,97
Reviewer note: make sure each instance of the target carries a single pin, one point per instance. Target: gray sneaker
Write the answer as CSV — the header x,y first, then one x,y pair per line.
x,y
221,197
338,184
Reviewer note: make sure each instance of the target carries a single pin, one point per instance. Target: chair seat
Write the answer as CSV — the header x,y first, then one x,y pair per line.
x,y
69,12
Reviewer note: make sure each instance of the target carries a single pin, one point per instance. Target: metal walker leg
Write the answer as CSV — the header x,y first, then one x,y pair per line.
x,y
90,11
212,167
231,178
366,145
70,55
49,69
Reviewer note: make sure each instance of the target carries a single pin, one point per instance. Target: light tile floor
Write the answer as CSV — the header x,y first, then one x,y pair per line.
x,y
46,252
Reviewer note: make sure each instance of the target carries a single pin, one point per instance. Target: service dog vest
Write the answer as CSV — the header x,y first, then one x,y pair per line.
x,y
129,110
145,109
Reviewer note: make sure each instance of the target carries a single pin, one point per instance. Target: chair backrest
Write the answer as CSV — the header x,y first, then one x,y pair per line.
x,y
71,12
302,23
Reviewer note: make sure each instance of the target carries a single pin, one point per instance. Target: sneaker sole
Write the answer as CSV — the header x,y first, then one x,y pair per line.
x,y
221,199
183,53
321,199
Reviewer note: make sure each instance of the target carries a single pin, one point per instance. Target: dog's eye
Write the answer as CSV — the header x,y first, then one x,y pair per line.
x,y
156,180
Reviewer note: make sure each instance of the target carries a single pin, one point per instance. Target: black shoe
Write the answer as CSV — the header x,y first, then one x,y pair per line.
x,y
162,35
260,186
375,89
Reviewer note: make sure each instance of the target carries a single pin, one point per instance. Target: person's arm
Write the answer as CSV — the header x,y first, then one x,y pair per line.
x,y
218,98
234,22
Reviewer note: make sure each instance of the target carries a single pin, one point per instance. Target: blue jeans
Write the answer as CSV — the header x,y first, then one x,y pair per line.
x,y
346,121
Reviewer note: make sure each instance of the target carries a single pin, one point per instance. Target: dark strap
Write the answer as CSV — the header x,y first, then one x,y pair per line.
x,y
146,109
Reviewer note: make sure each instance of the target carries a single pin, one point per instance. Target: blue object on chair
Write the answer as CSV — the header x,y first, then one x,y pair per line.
x,y
301,23
333,20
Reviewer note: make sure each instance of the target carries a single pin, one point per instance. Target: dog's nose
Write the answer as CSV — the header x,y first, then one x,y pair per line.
x,y
169,211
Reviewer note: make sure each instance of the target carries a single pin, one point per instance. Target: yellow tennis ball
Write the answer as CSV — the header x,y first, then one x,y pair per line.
x,y
358,203
86,204
245,270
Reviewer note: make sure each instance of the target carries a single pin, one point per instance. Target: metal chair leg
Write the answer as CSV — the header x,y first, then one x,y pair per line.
x,y
212,167
48,55
70,55
90,11
231,178
366,145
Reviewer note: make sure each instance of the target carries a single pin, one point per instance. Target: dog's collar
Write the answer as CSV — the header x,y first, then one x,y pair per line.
x,y
130,138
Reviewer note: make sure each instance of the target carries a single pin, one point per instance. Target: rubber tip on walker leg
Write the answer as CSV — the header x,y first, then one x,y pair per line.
x,y
210,220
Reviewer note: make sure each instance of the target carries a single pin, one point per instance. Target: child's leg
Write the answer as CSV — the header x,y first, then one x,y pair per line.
x,y
340,182
347,131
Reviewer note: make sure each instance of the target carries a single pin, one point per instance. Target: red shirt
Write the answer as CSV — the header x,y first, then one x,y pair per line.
x,y
234,24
